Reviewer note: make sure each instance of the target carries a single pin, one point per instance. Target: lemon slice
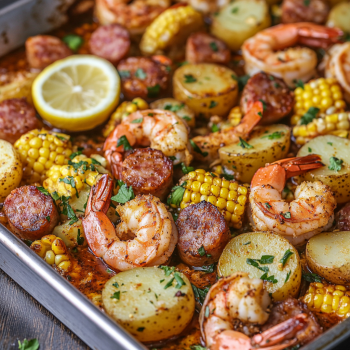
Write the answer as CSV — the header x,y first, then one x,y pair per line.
x,y
77,93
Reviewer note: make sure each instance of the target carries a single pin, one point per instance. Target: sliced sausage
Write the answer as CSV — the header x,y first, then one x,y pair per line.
x,y
315,11
202,47
142,77
111,42
203,234
148,171
284,310
343,218
30,213
17,117
42,50
278,100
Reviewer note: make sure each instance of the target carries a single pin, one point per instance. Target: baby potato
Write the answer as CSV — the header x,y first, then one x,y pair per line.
x,y
339,16
69,233
257,251
179,108
10,169
336,172
208,89
328,255
149,304
269,144
240,20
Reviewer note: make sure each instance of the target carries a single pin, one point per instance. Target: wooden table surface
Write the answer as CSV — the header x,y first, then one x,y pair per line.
x,y
21,317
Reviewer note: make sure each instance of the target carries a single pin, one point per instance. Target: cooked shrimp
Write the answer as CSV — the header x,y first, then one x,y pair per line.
x,y
159,129
135,16
207,6
312,210
145,236
337,65
211,143
237,302
263,52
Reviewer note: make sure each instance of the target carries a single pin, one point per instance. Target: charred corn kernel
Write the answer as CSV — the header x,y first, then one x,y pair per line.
x,y
235,116
328,299
126,108
171,27
65,265
228,196
66,180
320,93
53,250
36,148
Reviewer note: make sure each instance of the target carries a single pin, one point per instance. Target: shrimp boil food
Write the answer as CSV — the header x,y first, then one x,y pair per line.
x,y
186,166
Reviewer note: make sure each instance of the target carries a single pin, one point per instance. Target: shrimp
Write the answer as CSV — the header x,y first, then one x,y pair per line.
x,y
263,52
135,16
159,129
241,303
210,144
207,6
145,236
337,65
312,210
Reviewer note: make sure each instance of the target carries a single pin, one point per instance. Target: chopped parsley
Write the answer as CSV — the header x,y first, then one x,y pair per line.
x,y
208,268
73,41
48,219
287,215
169,284
197,149
309,116
140,74
43,190
298,83
226,175
78,153
274,136
200,294
80,240
244,144
153,91
266,259
215,128
286,256
176,195
167,270
242,81
255,263
213,104
140,329
116,285
287,277
202,252
116,295
309,149
186,169
247,243
124,194
330,143
235,10
123,141
174,108
124,73
187,118
137,121
311,277
271,279
268,206
69,180
179,280
307,3
214,46
335,164
189,78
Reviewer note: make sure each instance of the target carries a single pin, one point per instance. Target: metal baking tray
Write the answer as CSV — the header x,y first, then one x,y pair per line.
x,y
18,20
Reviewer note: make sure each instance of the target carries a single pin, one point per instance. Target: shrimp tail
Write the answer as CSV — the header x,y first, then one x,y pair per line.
x,y
251,119
281,332
318,36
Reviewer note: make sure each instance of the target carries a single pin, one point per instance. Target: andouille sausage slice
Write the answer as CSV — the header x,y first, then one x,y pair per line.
x,y
17,117
203,234
315,11
111,42
42,50
148,171
142,77
202,47
278,100
30,213
342,218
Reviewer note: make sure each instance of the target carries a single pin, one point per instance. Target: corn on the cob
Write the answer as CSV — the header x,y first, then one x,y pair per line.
x,y
53,250
40,150
122,112
66,180
170,28
328,298
324,94
217,123
337,124
227,195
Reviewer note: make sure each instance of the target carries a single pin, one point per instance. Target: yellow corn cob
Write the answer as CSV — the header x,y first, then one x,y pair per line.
x,y
81,169
53,250
122,112
40,150
335,124
324,94
228,196
328,298
170,28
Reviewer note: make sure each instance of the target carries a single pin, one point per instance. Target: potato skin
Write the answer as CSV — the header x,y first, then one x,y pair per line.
x,y
147,310
201,225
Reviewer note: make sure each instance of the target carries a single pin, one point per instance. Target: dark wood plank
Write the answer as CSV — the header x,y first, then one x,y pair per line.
x,y
21,317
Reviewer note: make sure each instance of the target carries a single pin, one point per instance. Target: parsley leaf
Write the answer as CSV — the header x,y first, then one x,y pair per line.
x,y
201,251
275,135
244,144
187,118
78,153
254,262
140,74
176,195
214,46
268,279
235,10
189,78
213,104
335,164
169,284
174,108
124,194
309,116
309,149
242,81
311,277
137,121
167,270
197,149
266,259
73,41
200,294
43,190
330,143
287,277
124,73
31,344
268,206
227,176
179,280
48,218
116,285
80,240
215,128
69,180
123,141
153,91
208,268
298,83
286,256
116,295
287,215
186,169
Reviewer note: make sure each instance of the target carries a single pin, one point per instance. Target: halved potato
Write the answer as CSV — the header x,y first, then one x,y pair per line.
x,y
179,108
255,245
208,89
328,255
69,233
270,143
239,21
339,17
329,146
147,304
10,169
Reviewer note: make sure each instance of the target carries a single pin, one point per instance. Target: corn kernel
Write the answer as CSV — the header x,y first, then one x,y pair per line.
x,y
217,181
187,196
200,171
50,257
208,179
225,183
235,218
65,265
326,308
39,248
227,215
318,301
242,190
196,185
61,257
200,178
204,198
221,203
58,246
224,192
212,200
233,186
38,167
205,189
48,239
195,197
339,287
192,175
215,190
35,142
